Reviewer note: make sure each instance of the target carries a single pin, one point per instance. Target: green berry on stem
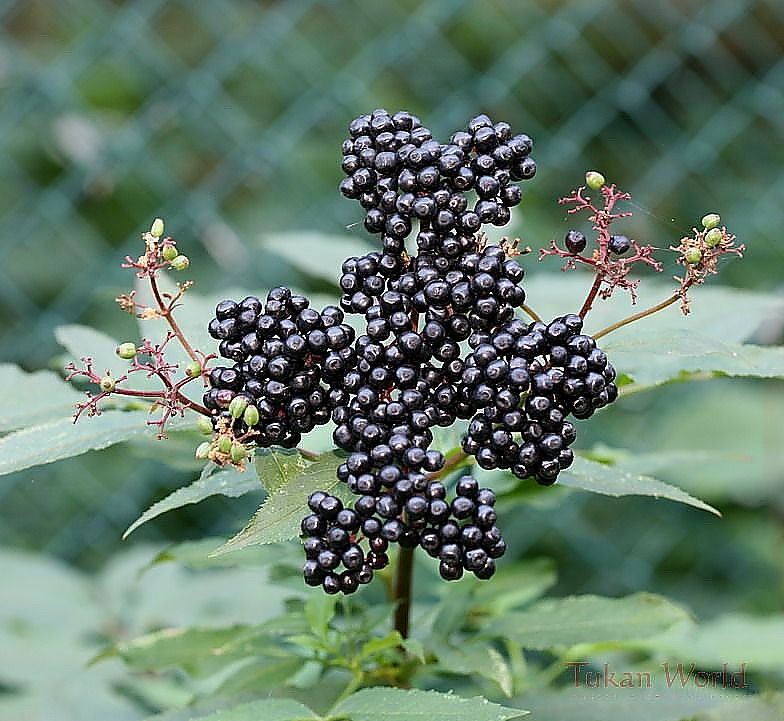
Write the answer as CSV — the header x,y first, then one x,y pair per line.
x,y
237,406
238,452
169,252
594,179
204,425
156,229
126,351
693,256
107,384
251,416
193,369
711,220
181,262
203,451
224,444
713,237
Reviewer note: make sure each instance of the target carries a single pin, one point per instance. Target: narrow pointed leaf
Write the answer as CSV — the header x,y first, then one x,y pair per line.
x,y
227,482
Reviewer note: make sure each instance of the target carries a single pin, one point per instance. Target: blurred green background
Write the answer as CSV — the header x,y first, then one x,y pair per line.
x,y
226,118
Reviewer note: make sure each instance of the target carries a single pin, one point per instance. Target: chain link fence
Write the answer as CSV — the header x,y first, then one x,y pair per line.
x,y
227,118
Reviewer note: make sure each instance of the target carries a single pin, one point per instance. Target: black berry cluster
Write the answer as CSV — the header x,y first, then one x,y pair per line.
x,y
441,342
400,174
527,380
287,357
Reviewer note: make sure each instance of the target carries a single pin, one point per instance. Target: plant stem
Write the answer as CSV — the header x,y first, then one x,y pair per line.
x,y
166,312
532,313
597,282
642,314
403,586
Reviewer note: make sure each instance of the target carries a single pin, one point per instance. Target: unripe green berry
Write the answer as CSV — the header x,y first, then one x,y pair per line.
x,y
107,384
181,262
713,237
251,416
204,425
693,256
237,406
169,252
711,220
156,229
224,444
193,369
238,452
126,351
203,451
594,179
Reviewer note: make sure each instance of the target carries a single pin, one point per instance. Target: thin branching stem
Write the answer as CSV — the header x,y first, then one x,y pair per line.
x,y
637,316
166,312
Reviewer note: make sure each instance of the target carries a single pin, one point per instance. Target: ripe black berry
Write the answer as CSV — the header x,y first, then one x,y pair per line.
x,y
619,244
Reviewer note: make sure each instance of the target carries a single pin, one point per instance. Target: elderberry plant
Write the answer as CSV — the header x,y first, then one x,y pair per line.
x,y
446,397
447,335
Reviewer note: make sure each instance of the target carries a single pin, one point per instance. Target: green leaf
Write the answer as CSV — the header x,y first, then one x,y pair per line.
x,y
383,643
279,517
764,707
49,442
566,622
470,658
30,398
227,482
260,677
315,254
733,639
195,555
608,480
82,341
650,359
270,709
276,467
658,703
515,585
197,651
727,314
395,704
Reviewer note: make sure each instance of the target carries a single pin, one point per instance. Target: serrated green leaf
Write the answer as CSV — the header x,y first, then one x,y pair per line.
x,y
658,703
315,254
197,651
30,398
395,704
650,359
195,555
260,677
470,658
567,622
228,482
279,517
515,585
53,441
275,467
733,639
270,709
384,643
728,314
587,475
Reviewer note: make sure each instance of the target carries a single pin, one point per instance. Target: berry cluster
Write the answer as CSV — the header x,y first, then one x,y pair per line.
x,y
528,380
441,342
287,358
399,173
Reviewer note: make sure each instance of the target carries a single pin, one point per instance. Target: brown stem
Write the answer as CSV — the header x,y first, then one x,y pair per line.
x,y
310,455
591,295
402,591
532,313
166,312
642,314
